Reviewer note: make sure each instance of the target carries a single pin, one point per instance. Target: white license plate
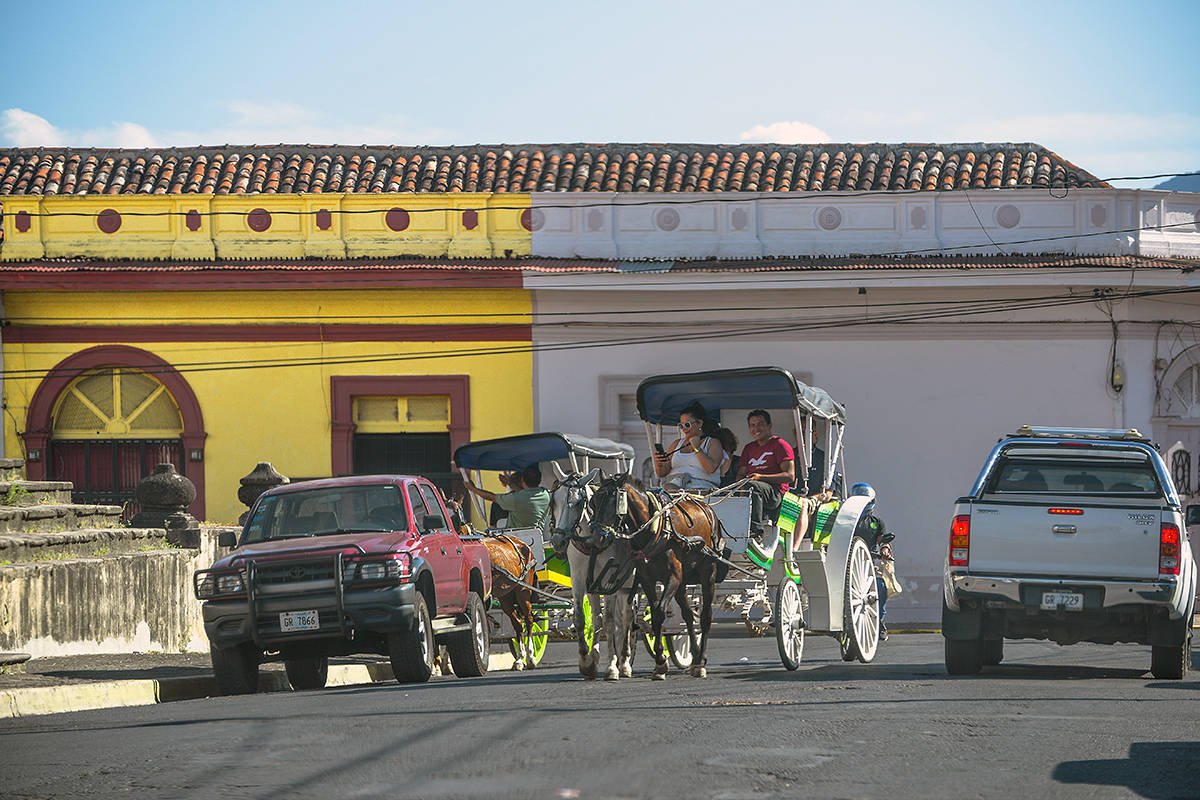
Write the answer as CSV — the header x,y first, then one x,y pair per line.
x,y
1071,601
290,621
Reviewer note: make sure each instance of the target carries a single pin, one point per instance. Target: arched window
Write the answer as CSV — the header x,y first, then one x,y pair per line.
x,y
109,429
117,402
1182,396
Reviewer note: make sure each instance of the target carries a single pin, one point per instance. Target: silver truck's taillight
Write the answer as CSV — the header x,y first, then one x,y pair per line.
x,y
1168,550
960,540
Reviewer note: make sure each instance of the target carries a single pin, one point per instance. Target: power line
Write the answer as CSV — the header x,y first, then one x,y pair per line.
x,y
655,338
657,311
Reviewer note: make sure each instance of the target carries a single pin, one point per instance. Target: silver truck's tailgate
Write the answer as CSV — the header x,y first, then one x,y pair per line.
x,y
1022,537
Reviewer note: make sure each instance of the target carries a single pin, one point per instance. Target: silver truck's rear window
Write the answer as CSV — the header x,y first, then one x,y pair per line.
x,y
1024,474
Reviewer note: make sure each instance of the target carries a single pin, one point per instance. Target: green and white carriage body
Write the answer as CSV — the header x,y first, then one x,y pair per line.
x,y
826,587
569,453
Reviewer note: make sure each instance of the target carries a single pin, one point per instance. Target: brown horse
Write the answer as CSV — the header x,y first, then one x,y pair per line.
x,y
675,547
512,558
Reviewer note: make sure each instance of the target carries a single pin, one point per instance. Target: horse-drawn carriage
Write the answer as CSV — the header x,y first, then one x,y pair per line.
x,y
815,579
544,588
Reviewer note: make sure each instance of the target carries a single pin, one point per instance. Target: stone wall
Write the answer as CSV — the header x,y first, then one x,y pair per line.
x,y
120,603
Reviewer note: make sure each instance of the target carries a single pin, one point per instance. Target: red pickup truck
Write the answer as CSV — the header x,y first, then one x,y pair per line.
x,y
364,564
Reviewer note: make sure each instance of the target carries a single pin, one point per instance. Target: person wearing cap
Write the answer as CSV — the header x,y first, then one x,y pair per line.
x,y
874,532
527,502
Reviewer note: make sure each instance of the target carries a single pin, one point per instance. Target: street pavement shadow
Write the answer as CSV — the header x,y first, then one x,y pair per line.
x,y
1155,770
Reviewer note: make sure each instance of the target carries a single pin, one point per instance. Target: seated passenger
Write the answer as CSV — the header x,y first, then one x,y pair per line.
x,y
693,461
527,502
770,464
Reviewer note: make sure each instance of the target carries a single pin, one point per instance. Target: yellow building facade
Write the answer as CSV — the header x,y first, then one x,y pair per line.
x,y
328,334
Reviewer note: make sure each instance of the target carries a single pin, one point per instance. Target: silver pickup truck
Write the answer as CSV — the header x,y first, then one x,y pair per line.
x,y
1071,535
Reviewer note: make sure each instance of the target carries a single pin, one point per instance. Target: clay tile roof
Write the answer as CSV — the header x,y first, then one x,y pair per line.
x,y
537,168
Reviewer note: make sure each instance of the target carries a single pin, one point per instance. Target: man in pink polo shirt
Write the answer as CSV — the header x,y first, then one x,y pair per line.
x,y
770,464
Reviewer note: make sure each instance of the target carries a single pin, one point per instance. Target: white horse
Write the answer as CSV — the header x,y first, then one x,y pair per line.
x,y
571,522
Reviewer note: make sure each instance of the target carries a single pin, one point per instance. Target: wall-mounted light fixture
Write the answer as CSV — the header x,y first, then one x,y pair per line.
x,y
33,455
195,454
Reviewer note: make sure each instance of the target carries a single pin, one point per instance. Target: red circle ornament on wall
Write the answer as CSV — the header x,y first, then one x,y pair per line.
x,y
527,219
24,221
192,220
324,219
470,219
259,220
109,220
397,219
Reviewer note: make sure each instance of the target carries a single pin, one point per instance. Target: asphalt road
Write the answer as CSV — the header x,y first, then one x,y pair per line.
x,y
1085,721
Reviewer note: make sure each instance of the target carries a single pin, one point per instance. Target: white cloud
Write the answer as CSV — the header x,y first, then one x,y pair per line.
x,y
23,129
794,132
247,123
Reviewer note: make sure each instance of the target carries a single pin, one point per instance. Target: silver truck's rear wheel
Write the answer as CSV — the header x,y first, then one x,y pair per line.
x,y
1171,662
236,668
469,649
412,651
307,673
964,656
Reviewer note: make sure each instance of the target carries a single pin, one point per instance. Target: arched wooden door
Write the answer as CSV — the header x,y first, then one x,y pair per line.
x,y
110,428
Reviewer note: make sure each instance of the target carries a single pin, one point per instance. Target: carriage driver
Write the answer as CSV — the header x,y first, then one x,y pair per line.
x,y
770,464
527,501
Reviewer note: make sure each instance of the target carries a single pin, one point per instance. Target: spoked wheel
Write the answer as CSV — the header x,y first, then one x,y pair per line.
x,y
789,623
861,603
678,646
541,624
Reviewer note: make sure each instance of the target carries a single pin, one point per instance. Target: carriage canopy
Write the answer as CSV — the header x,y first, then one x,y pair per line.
x,y
518,452
662,397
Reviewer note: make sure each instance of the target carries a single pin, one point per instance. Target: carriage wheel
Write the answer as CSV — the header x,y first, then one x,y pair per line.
x,y
789,623
861,603
678,646
541,624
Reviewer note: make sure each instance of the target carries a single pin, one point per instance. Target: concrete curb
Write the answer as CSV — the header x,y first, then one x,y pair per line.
x,y
39,700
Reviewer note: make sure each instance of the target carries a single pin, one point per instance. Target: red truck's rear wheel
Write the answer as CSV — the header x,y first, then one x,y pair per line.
x,y
307,673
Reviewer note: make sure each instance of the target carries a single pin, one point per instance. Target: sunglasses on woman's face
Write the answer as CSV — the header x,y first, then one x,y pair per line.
x,y
686,424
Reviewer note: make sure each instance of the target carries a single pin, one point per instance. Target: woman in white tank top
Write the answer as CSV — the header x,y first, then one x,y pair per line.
x,y
693,461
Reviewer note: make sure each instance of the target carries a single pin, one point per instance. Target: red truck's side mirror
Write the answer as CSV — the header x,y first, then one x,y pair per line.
x,y
227,539
432,522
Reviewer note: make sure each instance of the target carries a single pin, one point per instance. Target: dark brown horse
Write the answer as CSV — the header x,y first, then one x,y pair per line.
x,y
675,547
512,558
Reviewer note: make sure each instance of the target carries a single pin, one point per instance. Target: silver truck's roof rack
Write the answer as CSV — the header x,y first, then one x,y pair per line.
x,y
1039,432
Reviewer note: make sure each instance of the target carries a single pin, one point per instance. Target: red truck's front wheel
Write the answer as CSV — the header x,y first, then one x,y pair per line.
x,y
412,651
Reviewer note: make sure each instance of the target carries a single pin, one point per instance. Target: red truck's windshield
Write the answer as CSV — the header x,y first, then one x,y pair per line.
x,y
326,511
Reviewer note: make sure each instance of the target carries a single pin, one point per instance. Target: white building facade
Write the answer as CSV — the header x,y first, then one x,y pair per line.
x,y
941,320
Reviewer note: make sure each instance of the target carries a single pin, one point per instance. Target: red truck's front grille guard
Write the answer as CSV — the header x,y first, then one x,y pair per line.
x,y
339,596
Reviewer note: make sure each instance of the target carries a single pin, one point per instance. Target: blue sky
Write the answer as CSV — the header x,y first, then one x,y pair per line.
x,y
1111,86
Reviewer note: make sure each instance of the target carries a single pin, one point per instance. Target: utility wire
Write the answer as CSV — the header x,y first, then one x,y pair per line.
x,y
750,328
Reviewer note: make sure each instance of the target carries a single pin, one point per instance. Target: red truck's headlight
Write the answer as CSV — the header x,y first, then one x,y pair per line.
x,y
219,583
377,569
